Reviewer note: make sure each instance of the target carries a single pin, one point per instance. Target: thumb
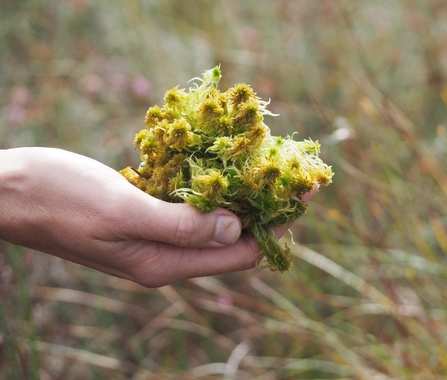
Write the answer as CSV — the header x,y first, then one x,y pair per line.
x,y
181,224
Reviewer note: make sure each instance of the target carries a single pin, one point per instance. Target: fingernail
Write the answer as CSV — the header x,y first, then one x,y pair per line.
x,y
228,230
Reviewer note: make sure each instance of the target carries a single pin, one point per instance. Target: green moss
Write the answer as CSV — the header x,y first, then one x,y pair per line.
x,y
213,149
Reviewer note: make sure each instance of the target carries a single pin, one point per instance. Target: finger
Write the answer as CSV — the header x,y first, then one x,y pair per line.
x,y
174,264
306,197
279,231
181,224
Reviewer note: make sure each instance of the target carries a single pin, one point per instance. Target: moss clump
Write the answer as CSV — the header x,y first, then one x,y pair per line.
x,y
212,149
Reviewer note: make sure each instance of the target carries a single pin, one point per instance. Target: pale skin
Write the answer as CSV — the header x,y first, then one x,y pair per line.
x,y
76,208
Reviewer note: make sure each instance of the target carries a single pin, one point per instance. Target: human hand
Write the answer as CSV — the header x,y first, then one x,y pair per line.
x,y
78,209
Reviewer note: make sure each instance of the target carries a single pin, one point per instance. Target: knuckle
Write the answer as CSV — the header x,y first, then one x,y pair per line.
x,y
187,230
157,275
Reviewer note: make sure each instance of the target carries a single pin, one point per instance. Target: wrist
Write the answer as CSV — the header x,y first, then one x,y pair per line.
x,y
12,171
12,178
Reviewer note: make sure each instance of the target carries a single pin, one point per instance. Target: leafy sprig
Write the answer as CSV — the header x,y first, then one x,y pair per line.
x,y
212,149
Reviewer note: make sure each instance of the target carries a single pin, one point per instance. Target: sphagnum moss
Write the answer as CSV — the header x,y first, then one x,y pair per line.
x,y
212,149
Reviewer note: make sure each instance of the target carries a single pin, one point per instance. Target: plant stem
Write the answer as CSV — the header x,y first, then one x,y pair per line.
x,y
278,258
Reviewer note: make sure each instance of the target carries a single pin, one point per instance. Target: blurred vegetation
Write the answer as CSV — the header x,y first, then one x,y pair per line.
x,y
366,296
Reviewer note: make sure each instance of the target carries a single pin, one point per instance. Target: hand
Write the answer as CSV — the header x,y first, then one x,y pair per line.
x,y
76,208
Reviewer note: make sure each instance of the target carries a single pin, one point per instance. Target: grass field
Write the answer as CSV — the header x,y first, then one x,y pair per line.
x,y
366,297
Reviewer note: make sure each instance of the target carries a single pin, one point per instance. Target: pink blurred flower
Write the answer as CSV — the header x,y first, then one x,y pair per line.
x,y
141,86
15,114
249,36
225,301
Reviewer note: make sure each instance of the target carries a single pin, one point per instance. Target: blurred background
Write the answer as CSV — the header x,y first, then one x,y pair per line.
x,y
366,297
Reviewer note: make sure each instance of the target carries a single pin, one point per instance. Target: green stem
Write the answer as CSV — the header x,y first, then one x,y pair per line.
x,y
278,258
